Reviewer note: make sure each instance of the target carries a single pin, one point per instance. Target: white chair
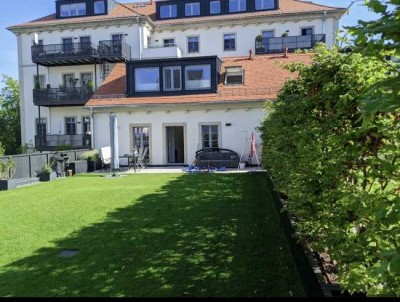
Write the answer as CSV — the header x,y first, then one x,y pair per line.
x,y
105,155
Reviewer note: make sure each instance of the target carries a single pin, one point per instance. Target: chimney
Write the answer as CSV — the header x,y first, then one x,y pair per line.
x,y
285,53
250,54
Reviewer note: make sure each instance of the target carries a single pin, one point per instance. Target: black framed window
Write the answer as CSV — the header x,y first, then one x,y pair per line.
x,y
307,31
169,42
229,42
172,78
99,7
73,9
41,127
147,79
193,44
70,125
69,80
68,46
41,81
215,7
192,9
168,11
264,4
85,43
237,6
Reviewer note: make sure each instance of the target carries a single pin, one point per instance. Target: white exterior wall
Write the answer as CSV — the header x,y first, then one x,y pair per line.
x,y
243,120
212,39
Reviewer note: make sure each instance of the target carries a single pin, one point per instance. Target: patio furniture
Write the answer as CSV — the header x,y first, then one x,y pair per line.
x,y
105,155
141,161
217,158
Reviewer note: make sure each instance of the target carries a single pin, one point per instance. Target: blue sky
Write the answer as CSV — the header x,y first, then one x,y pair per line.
x,y
19,11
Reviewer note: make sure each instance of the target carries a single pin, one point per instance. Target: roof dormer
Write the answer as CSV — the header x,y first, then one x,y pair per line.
x,y
82,8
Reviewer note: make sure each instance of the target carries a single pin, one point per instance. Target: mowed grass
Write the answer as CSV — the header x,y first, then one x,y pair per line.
x,y
146,235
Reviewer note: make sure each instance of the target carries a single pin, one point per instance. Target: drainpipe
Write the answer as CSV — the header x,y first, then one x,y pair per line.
x,y
323,23
91,128
140,37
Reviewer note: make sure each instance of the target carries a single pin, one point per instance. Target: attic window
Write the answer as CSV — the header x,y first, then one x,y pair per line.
x,y
234,75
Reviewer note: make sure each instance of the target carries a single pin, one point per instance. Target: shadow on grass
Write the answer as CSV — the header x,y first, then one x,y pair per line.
x,y
200,235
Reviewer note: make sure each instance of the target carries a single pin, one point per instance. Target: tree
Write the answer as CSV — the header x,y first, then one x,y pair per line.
x,y
341,179
10,126
380,39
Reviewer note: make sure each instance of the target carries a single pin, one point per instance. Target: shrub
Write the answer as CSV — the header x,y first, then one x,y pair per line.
x,y
92,155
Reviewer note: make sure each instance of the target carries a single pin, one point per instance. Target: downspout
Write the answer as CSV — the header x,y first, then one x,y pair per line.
x,y
140,37
323,23
92,128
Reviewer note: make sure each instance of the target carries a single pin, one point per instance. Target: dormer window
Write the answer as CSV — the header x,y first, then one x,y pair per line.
x,y
99,7
168,11
192,9
237,6
73,10
234,75
265,4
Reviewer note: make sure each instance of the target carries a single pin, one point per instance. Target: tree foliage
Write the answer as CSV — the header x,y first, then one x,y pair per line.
x,y
342,179
10,134
380,39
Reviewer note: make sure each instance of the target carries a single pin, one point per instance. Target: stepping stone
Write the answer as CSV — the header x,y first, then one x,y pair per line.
x,y
68,253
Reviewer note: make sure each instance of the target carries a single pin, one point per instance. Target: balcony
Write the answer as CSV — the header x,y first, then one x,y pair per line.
x,y
51,142
152,52
64,54
53,97
114,51
275,45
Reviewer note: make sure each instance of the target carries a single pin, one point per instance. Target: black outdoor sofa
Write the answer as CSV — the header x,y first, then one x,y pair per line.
x,y
217,158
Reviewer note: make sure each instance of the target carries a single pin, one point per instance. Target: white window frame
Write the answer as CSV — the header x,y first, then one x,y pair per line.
x,y
219,133
169,11
191,6
172,69
147,90
239,5
197,88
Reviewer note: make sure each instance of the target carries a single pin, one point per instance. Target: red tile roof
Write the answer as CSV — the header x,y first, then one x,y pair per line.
x,y
263,79
147,9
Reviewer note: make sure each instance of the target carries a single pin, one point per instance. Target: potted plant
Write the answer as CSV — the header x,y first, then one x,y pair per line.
x,y
286,33
92,158
90,86
7,171
259,44
46,173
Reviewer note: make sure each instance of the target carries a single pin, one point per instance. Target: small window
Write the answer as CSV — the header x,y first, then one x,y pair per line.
x,y
209,136
198,77
99,7
68,45
172,78
69,80
85,43
266,34
192,9
169,42
237,6
86,125
168,11
215,7
193,44
229,42
234,75
307,31
70,125
265,4
41,128
147,79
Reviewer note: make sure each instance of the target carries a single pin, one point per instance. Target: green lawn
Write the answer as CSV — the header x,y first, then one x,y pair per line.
x,y
145,235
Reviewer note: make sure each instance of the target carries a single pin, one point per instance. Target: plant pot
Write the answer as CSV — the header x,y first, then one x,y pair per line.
x,y
91,166
7,184
48,176
242,166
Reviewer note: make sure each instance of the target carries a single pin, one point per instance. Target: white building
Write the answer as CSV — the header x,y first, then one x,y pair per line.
x,y
161,67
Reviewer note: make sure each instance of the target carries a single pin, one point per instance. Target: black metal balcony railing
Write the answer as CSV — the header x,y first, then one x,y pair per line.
x,y
114,51
274,45
52,97
51,142
64,54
